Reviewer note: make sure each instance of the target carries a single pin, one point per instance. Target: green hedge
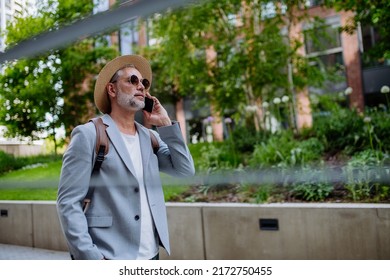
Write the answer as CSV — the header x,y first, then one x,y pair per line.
x,y
9,162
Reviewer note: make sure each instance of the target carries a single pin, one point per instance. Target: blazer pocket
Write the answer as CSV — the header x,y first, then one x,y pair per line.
x,y
99,221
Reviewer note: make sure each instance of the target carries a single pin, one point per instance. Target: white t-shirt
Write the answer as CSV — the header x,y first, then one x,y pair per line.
x,y
148,244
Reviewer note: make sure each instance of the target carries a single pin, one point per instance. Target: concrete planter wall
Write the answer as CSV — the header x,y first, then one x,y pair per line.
x,y
233,231
22,149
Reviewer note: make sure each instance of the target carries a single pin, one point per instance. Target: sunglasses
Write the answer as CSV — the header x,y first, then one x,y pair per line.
x,y
135,81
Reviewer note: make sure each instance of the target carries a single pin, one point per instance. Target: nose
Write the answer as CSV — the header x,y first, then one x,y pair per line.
x,y
140,85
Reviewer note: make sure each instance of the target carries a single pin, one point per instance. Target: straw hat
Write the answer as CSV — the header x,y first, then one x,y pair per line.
x,y
100,94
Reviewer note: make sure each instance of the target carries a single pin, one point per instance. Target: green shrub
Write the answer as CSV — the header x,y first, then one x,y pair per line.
x,y
246,139
367,176
380,123
284,150
7,162
341,130
195,150
314,187
331,102
348,131
215,157
257,193
274,151
312,191
307,151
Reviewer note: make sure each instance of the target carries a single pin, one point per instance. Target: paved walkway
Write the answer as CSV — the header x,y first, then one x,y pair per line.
x,y
13,252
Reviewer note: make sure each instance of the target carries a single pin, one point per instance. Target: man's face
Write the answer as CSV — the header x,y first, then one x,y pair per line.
x,y
130,96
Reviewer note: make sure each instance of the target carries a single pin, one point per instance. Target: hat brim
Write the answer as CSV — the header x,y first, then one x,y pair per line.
x,y
100,93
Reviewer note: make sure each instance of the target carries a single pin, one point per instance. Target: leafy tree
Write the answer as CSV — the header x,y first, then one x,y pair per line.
x,y
232,54
27,99
54,89
177,59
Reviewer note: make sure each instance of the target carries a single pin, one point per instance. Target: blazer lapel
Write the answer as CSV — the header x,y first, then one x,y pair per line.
x,y
118,143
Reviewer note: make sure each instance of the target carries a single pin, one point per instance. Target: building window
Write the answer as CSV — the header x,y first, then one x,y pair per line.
x,y
369,39
129,37
330,40
324,45
332,60
8,17
8,4
151,39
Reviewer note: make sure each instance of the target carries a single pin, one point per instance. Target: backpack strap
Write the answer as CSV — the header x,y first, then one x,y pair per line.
x,y
155,144
102,144
101,149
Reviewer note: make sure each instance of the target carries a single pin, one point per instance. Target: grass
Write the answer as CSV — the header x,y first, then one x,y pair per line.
x,y
28,194
40,182
34,182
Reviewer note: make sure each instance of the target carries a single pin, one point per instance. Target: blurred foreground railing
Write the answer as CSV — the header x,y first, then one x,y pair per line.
x,y
277,176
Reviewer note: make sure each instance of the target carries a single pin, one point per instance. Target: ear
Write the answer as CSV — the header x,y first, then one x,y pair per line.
x,y
111,90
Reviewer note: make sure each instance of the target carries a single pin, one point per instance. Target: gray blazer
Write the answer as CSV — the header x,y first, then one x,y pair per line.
x,y
111,226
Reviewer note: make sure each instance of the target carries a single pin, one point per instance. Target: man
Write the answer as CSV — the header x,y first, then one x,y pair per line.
x,y
127,216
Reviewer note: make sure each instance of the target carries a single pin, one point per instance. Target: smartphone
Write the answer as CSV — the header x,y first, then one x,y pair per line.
x,y
149,103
